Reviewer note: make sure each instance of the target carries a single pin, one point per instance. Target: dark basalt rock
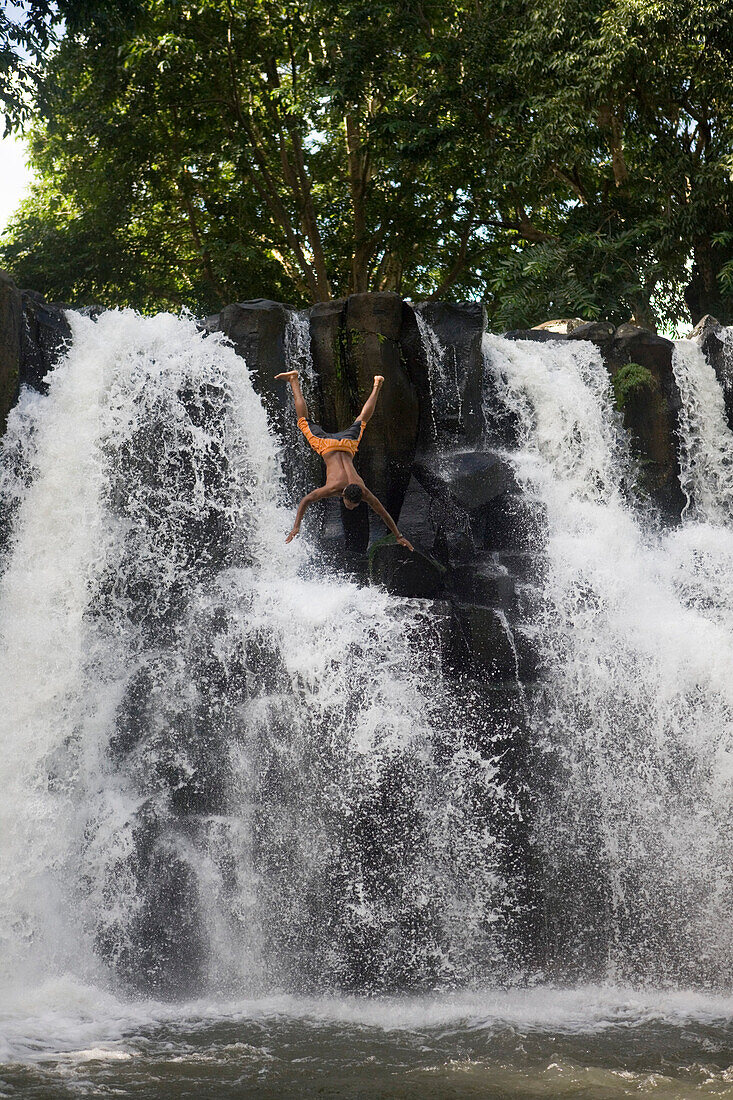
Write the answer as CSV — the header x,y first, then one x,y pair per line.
x,y
654,422
486,582
457,382
472,478
492,648
598,332
33,336
541,335
11,320
352,340
46,337
374,323
405,573
257,332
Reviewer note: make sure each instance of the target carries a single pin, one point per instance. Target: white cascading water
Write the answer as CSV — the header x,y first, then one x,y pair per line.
x,y
706,452
224,773
632,755
445,390
220,770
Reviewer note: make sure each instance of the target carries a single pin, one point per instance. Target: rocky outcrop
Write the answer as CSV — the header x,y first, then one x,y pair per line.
x,y
11,318
455,373
351,340
404,573
33,334
653,420
46,336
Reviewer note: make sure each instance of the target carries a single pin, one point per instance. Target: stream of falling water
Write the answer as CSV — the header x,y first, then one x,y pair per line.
x,y
243,787
633,748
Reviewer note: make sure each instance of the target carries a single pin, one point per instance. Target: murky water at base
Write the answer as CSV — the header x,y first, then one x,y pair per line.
x,y
591,1042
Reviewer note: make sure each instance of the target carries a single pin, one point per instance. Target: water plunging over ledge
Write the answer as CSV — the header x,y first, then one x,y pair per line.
x,y
221,770
231,778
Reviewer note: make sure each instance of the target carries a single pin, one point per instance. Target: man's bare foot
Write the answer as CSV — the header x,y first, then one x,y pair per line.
x,y
287,374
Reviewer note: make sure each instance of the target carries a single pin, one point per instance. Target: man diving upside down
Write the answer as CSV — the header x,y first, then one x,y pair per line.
x,y
337,449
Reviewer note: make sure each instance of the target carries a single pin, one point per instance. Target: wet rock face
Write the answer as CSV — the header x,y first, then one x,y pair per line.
x,y
456,380
373,325
257,331
11,315
33,334
46,336
403,573
652,419
351,340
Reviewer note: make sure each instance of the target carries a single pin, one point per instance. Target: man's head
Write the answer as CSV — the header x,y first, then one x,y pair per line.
x,y
352,495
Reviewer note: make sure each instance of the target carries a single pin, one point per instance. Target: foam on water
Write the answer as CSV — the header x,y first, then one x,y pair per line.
x,y
66,1017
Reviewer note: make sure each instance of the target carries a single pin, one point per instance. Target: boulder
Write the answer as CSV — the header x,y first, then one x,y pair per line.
x,y
539,334
706,327
455,367
403,572
472,478
11,320
630,330
487,583
511,522
564,325
257,331
598,332
492,648
464,487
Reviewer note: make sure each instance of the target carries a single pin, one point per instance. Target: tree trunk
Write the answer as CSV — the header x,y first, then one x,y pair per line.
x,y
702,293
358,163
608,120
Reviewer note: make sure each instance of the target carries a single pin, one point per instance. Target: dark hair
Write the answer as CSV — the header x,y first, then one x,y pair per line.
x,y
352,493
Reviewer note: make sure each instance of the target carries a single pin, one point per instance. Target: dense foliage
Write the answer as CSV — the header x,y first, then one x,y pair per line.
x,y
555,158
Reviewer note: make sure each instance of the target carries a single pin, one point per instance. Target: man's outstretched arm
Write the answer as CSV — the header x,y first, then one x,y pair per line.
x,y
317,494
376,506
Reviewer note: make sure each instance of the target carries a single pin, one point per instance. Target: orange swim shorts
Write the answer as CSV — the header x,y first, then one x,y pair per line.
x,y
323,443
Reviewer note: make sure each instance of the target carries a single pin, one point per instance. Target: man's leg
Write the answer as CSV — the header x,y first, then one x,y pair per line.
x,y
371,403
301,409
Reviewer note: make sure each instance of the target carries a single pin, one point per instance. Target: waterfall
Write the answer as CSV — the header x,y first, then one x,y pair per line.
x,y
633,725
227,771
221,770
445,390
706,442
298,346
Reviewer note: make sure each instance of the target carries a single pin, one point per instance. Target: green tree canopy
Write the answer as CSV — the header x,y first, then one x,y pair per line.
x,y
555,159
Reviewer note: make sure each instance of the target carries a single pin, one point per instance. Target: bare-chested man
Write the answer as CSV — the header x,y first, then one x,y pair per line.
x,y
337,449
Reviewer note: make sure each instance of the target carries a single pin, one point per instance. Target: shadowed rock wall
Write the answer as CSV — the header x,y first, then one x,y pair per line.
x,y
33,335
